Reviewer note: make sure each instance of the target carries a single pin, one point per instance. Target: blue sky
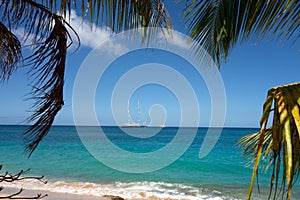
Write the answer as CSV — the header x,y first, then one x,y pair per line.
x,y
252,68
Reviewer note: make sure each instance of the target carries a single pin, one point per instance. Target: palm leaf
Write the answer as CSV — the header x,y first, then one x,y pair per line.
x,y
48,37
48,92
118,15
46,30
10,52
280,143
219,24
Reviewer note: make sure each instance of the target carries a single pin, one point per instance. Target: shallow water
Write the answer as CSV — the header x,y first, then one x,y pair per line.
x,y
69,167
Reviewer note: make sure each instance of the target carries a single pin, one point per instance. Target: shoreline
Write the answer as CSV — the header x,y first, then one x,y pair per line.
x,y
91,191
56,195
123,191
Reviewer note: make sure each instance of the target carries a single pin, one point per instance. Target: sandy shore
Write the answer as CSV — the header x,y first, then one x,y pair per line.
x,y
56,195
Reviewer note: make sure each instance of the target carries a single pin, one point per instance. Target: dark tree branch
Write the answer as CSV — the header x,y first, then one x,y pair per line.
x,y
16,196
8,177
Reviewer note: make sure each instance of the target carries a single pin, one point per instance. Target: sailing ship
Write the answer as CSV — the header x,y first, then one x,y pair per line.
x,y
131,124
163,126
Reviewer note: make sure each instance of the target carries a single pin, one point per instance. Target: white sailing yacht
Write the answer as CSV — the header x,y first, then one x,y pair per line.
x,y
131,124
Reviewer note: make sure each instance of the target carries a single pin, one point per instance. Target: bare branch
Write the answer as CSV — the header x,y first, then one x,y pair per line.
x,y
8,177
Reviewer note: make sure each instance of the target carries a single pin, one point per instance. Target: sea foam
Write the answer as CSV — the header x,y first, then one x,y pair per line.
x,y
130,190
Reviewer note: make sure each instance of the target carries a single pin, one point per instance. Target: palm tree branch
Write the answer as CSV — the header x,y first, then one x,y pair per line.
x,y
47,34
219,25
10,53
119,15
280,143
48,63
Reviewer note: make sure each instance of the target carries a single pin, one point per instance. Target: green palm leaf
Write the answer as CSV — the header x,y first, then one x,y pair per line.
x,y
219,24
119,15
278,145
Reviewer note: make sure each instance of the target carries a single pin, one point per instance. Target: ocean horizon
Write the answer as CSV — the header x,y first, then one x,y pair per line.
x,y
69,167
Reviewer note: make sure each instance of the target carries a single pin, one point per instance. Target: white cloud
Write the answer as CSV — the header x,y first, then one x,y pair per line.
x,y
92,37
175,38
88,37
180,41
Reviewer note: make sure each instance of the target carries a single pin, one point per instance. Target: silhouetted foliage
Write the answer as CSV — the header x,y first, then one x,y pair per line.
x,y
47,32
8,177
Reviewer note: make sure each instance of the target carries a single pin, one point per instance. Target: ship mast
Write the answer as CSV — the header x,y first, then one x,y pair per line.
x,y
128,112
139,113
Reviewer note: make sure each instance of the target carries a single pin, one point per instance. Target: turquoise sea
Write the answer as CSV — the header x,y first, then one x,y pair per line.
x,y
69,167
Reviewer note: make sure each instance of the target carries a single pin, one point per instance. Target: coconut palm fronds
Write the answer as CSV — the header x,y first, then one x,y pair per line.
x,y
219,24
278,146
47,34
45,30
129,15
119,15
10,53
48,90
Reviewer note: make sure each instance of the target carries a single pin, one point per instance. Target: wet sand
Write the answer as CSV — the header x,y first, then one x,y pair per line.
x,y
54,195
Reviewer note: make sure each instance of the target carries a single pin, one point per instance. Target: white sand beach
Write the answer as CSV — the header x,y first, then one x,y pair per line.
x,y
57,195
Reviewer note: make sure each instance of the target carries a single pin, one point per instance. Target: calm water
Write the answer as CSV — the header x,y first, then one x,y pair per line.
x,y
69,167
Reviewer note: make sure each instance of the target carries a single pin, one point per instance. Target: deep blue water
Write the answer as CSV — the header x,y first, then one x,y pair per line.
x,y
222,174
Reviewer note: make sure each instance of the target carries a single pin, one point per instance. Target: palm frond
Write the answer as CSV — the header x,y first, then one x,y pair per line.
x,y
45,29
10,53
48,35
278,146
49,83
128,15
219,24
119,15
